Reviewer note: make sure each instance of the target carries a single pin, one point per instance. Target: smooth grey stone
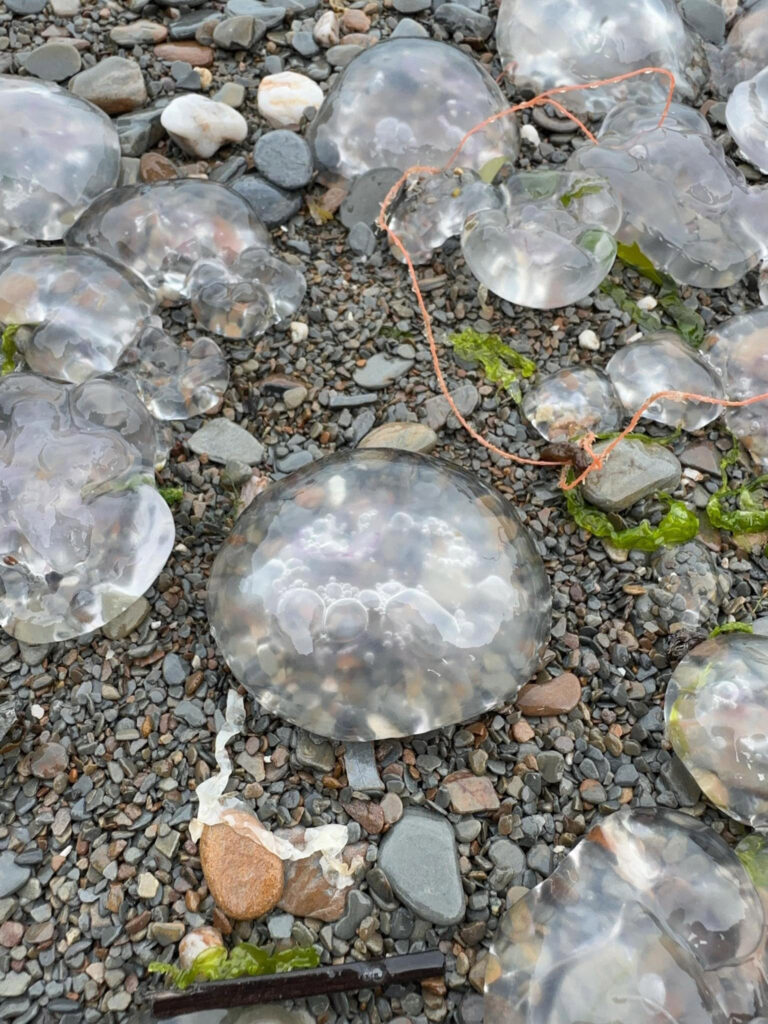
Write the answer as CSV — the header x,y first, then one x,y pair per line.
x,y
294,461
341,55
438,411
540,859
303,42
284,158
458,18
411,6
185,76
174,669
707,17
274,205
12,875
505,854
186,26
361,239
140,130
359,906
633,470
181,4
53,62
190,713
362,203
317,755
419,858
268,15
362,772
380,371
223,441
25,6
409,28
236,33
551,765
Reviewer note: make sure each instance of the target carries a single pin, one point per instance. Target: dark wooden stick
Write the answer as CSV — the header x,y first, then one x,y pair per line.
x,y
220,995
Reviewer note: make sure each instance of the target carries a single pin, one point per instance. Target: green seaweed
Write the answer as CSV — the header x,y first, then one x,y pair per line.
x,y
753,854
501,364
750,514
586,189
8,349
668,439
731,627
490,169
172,495
244,961
688,323
678,525
648,321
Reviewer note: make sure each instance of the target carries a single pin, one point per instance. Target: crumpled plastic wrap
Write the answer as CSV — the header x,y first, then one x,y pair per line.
x,y
216,807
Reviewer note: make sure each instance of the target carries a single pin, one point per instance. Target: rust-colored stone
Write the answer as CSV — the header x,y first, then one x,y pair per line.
x,y
156,167
556,697
367,814
244,878
470,793
306,892
193,53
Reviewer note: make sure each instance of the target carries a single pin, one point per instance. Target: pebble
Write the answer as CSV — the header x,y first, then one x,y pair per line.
x,y
115,84
408,28
419,859
188,52
411,6
359,906
238,33
14,984
284,158
147,886
367,192
139,131
471,794
25,6
589,341
407,437
380,371
556,697
272,204
326,29
201,126
53,61
136,33
362,770
361,239
48,760
315,754
632,471
128,621
231,93
12,875
458,18
224,441
244,878
438,410
283,98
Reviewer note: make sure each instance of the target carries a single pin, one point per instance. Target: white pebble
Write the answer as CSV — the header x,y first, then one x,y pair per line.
x,y
200,126
529,134
37,711
283,98
326,30
589,340
299,331
647,302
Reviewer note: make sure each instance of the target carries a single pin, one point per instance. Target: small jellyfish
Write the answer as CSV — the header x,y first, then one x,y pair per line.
x,y
572,403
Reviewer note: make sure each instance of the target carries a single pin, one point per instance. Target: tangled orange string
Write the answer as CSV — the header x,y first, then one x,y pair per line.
x,y
596,459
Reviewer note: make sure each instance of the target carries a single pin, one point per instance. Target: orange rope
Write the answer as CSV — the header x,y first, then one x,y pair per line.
x,y
586,442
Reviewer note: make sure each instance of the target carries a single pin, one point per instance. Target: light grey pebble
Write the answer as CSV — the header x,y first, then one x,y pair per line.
x,y
284,158
224,441
380,371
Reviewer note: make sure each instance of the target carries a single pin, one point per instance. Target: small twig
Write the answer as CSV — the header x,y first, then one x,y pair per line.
x,y
349,977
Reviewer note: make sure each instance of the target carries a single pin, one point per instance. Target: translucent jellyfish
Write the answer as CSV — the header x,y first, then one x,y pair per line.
x,y
175,381
58,153
716,713
83,531
270,1014
664,362
572,403
738,352
243,298
83,309
410,102
632,117
652,918
745,51
567,42
686,206
746,114
379,593
686,590
552,243
160,231
434,209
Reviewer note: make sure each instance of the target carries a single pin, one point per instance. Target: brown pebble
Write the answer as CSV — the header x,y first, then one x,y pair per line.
x,y
156,167
192,53
244,878
354,20
367,814
522,732
556,697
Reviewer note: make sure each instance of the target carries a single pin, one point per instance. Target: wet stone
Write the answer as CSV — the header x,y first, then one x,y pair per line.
x,y
367,192
381,370
555,697
12,875
471,794
284,158
310,610
273,205
359,906
139,130
54,61
224,441
409,437
361,240
419,858
115,84
318,756
244,878
362,771
438,410
48,760
238,33
633,470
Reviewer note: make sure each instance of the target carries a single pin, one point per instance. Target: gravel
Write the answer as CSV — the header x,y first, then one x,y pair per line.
x,y
97,866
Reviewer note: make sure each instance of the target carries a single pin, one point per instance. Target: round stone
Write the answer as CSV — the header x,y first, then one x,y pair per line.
x,y
244,877
407,437
284,158
54,61
272,204
380,593
716,712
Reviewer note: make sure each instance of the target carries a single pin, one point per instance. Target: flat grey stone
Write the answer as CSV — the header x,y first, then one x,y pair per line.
x,y
12,875
14,983
343,54
359,906
317,755
438,410
115,84
53,62
409,28
411,6
406,437
174,669
507,855
367,192
190,713
361,239
128,621
362,772
223,441
707,17
420,860
140,130
235,33
25,6
458,18
186,26
284,158
380,371
268,15
633,470
274,205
